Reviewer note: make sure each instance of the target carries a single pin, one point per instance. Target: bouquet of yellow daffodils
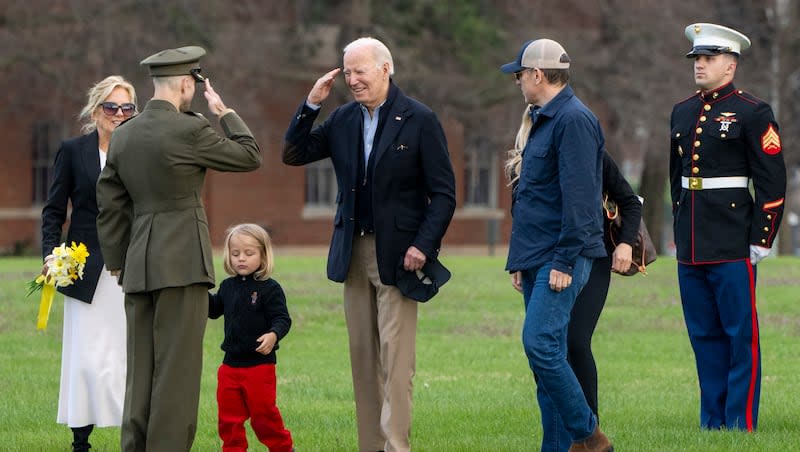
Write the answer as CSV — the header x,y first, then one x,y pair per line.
x,y
63,269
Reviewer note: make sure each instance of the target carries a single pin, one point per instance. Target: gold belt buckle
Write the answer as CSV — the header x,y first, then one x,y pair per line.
x,y
695,183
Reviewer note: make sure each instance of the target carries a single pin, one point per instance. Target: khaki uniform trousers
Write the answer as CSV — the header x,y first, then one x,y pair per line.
x,y
165,361
382,328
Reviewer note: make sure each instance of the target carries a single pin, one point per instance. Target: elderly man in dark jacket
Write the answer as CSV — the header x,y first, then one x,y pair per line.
x,y
396,199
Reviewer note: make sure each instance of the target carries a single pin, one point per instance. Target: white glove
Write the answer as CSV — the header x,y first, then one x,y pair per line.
x,y
758,253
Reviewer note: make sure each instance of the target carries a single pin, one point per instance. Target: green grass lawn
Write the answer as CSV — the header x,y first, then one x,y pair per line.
x,y
473,388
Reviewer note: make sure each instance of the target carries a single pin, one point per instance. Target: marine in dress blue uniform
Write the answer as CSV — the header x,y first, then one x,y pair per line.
x,y
722,141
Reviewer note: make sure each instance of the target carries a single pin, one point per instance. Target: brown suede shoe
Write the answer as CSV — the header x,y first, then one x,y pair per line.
x,y
598,442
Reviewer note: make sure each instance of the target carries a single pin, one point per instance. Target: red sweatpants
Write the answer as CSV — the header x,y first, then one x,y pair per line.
x,y
249,392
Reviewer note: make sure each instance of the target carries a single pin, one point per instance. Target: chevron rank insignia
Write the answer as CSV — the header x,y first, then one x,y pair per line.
x,y
773,204
771,141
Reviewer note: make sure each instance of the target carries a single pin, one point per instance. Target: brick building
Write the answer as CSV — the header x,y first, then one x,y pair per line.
x,y
295,204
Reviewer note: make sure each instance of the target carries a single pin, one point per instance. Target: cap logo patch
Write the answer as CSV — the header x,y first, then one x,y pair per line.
x,y
771,141
697,29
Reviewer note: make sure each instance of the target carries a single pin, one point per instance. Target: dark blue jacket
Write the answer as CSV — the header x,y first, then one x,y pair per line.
x,y
413,186
556,215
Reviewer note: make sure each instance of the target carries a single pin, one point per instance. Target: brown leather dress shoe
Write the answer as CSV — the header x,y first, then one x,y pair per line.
x,y
598,442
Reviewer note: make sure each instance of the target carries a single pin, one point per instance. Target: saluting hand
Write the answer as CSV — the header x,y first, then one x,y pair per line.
x,y
322,87
215,105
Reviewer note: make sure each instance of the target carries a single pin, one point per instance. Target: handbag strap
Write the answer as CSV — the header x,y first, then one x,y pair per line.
x,y
643,267
610,208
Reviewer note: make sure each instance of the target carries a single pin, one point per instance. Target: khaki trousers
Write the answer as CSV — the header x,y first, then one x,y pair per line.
x,y
165,360
382,328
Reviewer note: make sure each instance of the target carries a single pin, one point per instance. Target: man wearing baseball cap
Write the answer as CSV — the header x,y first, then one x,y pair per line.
x,y
722,140
556,234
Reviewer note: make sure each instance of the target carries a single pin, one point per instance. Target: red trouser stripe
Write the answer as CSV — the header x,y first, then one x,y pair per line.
x,y
753,349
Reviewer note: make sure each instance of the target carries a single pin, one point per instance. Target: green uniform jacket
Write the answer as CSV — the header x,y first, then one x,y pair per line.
x,y
151,220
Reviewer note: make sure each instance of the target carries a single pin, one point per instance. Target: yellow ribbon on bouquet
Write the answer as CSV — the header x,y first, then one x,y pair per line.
x,y
46,302
62,268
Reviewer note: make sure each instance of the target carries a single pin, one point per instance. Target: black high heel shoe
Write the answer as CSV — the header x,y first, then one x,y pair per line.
x,y
80,435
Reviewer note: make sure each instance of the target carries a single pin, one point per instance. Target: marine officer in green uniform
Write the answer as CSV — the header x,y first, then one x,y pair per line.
x,y
154,234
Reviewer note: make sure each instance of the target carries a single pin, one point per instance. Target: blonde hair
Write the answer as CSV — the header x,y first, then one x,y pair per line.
x,y
513,166
380,52
261,236
97,94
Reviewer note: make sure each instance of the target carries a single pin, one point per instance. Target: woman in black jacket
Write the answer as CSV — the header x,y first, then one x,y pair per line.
x,y
590,302
93,358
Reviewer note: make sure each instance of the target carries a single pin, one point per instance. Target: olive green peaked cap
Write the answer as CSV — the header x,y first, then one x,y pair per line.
x,y
180,61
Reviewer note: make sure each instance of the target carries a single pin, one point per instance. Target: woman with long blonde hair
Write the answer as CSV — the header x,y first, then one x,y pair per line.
x,y
93,358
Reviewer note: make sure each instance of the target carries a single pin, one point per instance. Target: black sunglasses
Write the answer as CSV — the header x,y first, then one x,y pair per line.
x,y
518,75
198,77
111,108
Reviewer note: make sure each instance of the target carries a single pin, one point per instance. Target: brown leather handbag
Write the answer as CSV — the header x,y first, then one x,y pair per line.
x,y
644,252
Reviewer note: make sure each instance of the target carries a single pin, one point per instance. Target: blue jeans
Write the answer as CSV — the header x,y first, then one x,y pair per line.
x,y
566,417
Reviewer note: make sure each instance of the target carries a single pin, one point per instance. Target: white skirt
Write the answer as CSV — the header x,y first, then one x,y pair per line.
x,y
93,357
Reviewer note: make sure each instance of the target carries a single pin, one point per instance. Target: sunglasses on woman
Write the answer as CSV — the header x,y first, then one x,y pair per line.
x,y
111,108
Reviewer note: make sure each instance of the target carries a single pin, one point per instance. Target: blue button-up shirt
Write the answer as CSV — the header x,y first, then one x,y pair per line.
x,y
370,126
556,206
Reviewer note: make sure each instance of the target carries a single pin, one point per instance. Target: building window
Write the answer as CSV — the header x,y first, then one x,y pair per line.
x,y
44,143
480,178
320,184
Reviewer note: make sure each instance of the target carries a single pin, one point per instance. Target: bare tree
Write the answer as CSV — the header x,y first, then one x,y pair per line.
x,y
628,62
